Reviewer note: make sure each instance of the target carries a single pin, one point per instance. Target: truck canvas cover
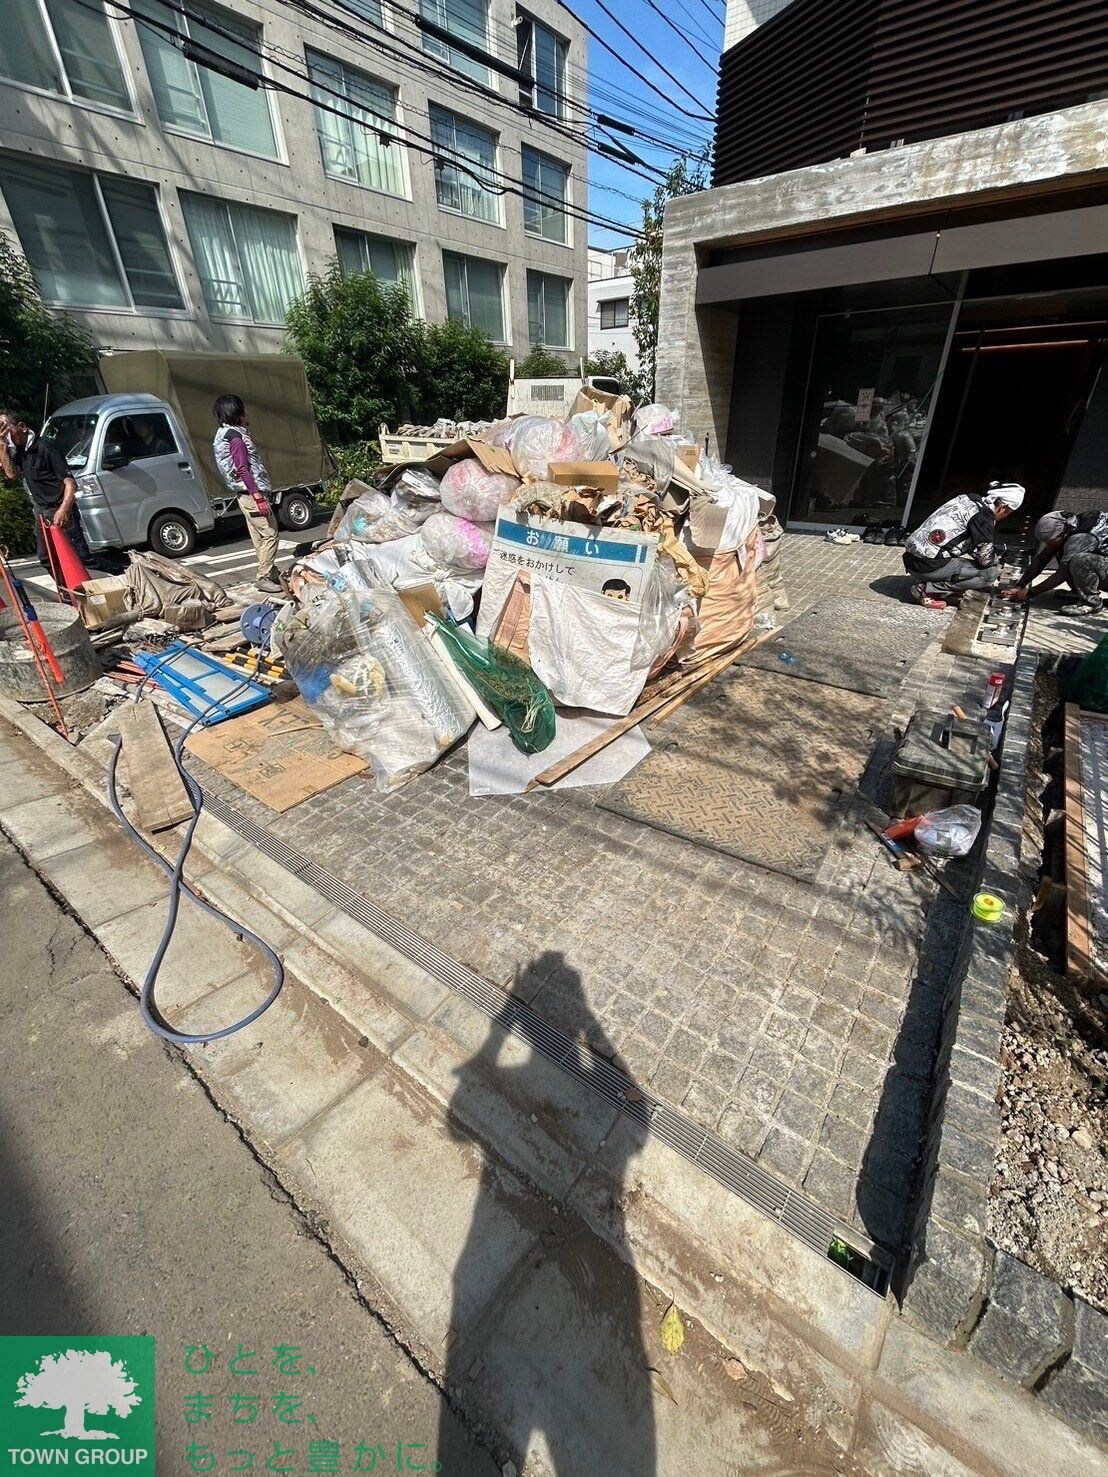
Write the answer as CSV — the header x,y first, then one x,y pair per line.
x,y
274,387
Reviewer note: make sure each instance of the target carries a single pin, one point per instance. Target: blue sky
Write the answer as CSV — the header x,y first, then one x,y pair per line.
x,y
621,93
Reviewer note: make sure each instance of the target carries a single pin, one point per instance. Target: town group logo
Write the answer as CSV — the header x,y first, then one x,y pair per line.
x,y
77,1402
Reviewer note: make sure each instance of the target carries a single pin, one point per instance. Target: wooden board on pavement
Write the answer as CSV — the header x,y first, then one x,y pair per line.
x,y
280,754
160,798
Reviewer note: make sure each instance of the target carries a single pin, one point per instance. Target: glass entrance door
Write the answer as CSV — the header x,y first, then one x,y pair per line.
x,y
871,390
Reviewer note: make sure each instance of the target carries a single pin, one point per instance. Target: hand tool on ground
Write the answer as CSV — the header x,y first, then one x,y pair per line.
x,y
905,861
21,607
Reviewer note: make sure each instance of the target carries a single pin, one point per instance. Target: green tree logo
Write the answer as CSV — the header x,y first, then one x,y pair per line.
x,y
81,1382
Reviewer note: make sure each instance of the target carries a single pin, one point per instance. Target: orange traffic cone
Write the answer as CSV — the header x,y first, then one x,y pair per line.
x,y
66,569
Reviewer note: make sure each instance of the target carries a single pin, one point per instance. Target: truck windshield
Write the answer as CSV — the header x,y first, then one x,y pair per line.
x,y
72,436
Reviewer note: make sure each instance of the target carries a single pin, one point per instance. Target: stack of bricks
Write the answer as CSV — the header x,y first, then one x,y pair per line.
x,y
770,582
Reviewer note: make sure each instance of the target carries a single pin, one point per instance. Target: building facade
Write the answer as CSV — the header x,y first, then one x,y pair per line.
x,y
609,321
897,288
175,170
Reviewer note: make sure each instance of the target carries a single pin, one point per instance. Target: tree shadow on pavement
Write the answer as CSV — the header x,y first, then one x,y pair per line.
x,y
548,1330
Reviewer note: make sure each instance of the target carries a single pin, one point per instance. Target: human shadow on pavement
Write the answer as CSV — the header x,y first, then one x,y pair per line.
x,y
548,1347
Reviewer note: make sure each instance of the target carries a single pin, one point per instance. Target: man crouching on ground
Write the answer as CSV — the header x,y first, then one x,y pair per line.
x,y
954,551
1079,542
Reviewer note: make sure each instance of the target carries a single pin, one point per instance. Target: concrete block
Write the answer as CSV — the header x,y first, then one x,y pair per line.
x,y
56,822
542,1121
1020,1332
978,1073
1079,1389
995,1426
945,1281
104,879
443,1236
356,998
411,989
202,956
638,1176
886,1442
959,1201
290,1065
24,775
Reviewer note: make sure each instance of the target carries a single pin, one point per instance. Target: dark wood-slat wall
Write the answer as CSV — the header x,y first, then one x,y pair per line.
x,y
826,77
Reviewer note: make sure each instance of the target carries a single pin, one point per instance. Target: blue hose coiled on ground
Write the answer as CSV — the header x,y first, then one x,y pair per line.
x,y
178,886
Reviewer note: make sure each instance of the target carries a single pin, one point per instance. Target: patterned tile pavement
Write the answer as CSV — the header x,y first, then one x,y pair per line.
x,y
799,1021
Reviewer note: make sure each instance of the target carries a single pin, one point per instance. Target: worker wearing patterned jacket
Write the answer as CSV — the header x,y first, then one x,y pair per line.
x,y
244,472
1079,542
954,550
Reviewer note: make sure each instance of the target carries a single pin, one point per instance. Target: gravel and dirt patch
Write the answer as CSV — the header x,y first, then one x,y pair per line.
x,y
1049,1196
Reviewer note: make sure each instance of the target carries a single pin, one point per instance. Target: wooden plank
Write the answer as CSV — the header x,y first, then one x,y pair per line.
x,y
707,674
160,798
1079,958
681,684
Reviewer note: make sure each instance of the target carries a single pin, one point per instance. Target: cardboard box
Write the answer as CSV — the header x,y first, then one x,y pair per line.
x,y
690,455
618,408
102,602
492,458
602,475
420,601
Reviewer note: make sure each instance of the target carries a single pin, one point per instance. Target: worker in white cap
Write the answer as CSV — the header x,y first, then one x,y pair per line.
x,y
1079,542
954,550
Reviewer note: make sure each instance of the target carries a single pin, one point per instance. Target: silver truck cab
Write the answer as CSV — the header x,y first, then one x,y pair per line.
x,y
139,480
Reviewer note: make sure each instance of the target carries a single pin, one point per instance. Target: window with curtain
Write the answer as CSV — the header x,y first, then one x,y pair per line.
x,y
247,258
91,241
468,159
545,195
388,260
468,20
615,312
364,148
475,293
541,55
548,310
194,98
37,32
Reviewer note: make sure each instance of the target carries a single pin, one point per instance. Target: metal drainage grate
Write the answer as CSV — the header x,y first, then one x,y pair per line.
x,y
809,1222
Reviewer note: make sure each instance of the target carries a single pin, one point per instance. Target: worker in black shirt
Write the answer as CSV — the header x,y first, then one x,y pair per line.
x,y
49,482
1079,542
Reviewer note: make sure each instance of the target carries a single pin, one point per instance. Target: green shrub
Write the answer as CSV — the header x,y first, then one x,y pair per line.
x,y
361,351
360,460
17,522
463,375
45,358
542,364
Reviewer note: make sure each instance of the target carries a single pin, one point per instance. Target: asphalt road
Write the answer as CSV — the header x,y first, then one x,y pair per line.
x,y
225,555
132,1206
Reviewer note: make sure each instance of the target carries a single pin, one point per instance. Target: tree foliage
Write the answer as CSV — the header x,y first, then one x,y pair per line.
x,y
612,364
646,263
462,374
45,358
368,360
361,351
543,364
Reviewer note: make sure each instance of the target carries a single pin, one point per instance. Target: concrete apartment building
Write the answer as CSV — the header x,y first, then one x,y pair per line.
x,y
897,287
610,288
166,200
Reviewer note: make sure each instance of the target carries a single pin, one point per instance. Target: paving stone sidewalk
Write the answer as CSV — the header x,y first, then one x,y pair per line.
x,y
799,1021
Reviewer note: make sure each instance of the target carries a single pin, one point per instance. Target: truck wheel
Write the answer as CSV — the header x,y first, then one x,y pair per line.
x,y
172,535
296,511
